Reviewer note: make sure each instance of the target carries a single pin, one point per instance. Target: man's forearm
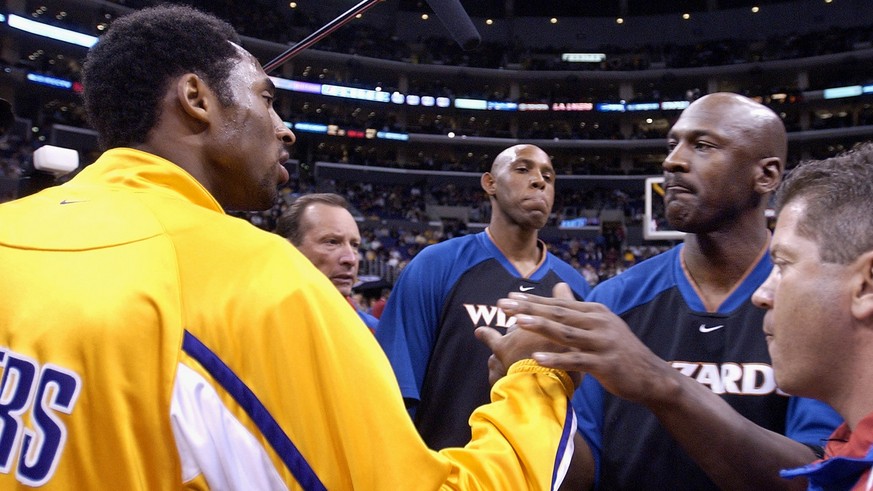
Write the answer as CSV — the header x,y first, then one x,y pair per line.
x,y
735,452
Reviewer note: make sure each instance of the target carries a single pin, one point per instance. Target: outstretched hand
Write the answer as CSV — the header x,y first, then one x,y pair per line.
x,y
599,342
518,344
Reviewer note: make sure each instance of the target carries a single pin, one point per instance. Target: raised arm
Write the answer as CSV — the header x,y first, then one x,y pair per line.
x,y
735,452
337,402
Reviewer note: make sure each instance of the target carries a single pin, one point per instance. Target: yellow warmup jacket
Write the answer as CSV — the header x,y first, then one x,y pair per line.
x,y
150,341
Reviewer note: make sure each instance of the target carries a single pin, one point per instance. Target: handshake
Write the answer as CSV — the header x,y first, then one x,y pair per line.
x,y
563,333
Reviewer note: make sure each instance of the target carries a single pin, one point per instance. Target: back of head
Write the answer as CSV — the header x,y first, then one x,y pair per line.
x,y
290,224
126,74
838,193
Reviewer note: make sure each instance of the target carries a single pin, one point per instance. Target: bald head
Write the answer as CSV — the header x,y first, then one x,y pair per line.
x,y
726,155
517,152
521,188
759,126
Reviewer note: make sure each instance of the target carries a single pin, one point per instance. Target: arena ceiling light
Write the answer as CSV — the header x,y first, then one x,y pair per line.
x,y
52,32
583,57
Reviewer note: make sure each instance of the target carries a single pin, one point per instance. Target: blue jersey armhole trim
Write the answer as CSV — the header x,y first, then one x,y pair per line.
x,y
262,418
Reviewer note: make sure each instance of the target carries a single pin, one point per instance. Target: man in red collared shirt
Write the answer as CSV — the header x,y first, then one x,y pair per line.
x,y
819,301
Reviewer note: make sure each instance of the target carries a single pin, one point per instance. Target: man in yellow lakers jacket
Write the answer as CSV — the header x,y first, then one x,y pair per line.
x,y
150,341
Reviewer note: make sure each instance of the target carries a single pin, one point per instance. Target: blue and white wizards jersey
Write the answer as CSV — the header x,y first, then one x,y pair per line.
x,y
446,292
724,350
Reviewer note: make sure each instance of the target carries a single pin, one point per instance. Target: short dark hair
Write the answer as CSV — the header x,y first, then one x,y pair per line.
x,y
838,193
290,224
127,72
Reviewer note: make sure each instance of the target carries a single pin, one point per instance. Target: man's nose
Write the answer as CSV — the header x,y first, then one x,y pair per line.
x,y
676,160
349,255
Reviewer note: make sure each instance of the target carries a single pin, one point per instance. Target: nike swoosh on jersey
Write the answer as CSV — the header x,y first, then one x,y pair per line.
x,y
703,328
526,288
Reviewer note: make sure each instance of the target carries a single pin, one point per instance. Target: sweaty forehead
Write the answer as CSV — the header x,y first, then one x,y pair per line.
x,y
241,52
247,63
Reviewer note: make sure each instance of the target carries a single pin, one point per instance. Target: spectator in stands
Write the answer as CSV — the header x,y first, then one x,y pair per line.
x,y
321,227
379,305
711,416
819,299
372,293
449,289
153,342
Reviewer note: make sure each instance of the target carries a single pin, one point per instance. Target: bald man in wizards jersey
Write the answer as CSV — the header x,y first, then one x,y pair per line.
x,y
450,289
679,391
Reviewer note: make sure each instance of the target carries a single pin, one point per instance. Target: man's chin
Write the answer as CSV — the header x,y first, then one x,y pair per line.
x,y
345,289
539,224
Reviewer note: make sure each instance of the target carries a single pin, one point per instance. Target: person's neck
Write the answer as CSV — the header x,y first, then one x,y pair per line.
x,y
519,245
717,262
726,253
170,140
851,395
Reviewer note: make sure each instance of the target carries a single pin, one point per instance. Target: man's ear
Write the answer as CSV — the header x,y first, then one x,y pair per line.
x,y
862,294
488,184
770,174
193,96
